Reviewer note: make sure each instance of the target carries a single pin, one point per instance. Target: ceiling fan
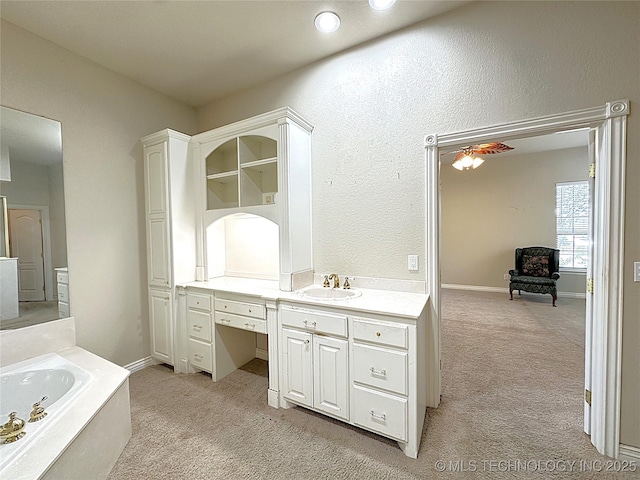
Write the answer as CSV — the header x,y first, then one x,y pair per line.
x,y
467,158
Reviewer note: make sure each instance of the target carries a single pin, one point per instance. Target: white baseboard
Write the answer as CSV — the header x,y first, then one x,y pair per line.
x,y
481,288
475,288
629,453
140,364
262,354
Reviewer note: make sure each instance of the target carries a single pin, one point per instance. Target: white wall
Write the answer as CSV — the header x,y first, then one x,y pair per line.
x,y
480,65
508,202
103,115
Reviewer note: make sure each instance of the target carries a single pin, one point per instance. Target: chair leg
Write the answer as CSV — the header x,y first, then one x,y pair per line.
x,y
511,294
555,297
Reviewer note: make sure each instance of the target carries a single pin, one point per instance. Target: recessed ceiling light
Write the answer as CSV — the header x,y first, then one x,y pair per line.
x,y
381,4
327,22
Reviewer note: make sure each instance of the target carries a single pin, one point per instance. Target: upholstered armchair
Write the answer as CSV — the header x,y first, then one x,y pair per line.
x,y
536,271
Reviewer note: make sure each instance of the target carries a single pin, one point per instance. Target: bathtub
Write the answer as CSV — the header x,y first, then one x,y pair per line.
x,y
88,420
25,383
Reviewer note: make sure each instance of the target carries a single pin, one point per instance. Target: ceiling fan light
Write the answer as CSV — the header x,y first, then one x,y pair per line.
x,y
457,165
477,161
327,22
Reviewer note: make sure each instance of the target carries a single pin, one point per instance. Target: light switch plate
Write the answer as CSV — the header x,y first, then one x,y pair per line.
x,y
636,271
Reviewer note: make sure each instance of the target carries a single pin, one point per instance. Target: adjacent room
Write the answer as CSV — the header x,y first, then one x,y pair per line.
x,y
245,251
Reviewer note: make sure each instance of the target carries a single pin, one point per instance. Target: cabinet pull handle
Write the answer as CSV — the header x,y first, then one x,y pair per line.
x,y
309,324
252,325
382,373
197,327
198,357
378,334
379,417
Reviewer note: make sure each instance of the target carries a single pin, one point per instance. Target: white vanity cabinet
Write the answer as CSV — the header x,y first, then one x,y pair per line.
x,y
315,360
170,219
369,371
62,278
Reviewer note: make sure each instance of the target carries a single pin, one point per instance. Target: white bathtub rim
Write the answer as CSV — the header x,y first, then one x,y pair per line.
x,y
34,462
10,452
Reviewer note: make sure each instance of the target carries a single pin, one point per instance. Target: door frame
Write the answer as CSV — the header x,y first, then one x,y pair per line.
x,y
610,125
46,245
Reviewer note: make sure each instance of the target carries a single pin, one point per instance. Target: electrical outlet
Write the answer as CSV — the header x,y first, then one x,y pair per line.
x,y
507,276
636,271
413,263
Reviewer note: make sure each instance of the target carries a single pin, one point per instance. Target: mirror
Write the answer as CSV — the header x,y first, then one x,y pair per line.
x,y
34,257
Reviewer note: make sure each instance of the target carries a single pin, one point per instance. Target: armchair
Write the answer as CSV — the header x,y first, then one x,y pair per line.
x,y
536,271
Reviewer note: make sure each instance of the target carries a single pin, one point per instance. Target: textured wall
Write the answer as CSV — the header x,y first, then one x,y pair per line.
x,y
508,202
479,65
103,115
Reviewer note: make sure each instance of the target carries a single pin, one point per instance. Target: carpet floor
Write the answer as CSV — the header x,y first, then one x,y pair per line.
x,y
511,407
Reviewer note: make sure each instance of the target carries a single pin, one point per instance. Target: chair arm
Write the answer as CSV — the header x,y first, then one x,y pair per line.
x,y
555,275
514,273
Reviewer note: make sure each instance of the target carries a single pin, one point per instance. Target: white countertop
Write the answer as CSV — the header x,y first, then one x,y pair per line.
x,y
382,302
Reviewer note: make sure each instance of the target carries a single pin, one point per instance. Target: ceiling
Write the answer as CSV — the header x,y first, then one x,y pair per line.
x,y
200,51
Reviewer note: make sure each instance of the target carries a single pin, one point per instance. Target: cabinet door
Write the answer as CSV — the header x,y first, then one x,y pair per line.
x,y
297,366
158,266
156,179
330,378
161,331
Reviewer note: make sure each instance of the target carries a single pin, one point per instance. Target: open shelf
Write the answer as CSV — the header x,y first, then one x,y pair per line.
x,y
257,179
223,159
222,191
242,172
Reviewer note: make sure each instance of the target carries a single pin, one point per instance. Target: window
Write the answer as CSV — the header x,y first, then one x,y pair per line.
x,y
572,224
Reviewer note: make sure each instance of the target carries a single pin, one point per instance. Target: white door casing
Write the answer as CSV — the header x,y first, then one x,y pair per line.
x,y
27,244
609,124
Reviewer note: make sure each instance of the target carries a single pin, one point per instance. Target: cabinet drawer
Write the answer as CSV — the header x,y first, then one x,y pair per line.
x,y
63,293
381,413
238,321
248,309
314,321
199,324
380,333
199,354
380,368
200,302
63,310
62,277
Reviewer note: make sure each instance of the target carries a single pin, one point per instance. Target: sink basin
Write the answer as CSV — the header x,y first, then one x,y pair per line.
x,y
322,293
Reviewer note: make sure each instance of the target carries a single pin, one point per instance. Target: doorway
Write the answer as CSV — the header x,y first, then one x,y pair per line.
x,y
602,378
30,243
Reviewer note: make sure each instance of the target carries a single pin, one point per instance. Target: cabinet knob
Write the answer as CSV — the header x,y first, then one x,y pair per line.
x,y
306,342
378,334
225,306
249,310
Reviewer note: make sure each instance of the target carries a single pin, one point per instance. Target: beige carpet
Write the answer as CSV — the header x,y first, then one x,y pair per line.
x,y
512,392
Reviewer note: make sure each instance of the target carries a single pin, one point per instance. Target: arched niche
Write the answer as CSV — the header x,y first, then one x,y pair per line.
x,y
243,245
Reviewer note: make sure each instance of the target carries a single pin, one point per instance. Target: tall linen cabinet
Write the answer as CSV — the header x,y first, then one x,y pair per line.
x,y
171,227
